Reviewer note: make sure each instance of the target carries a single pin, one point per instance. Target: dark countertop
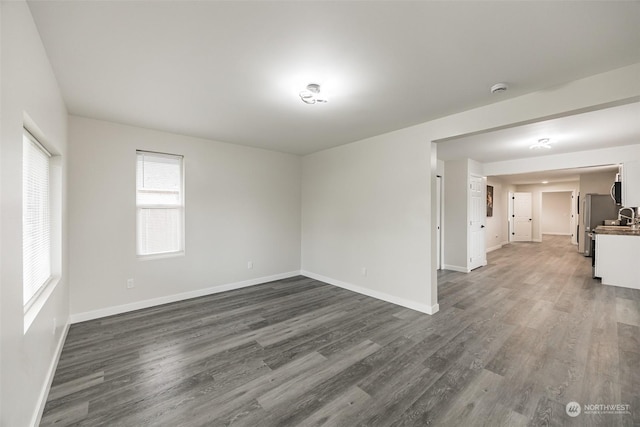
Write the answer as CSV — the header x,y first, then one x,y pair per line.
x,y
618,230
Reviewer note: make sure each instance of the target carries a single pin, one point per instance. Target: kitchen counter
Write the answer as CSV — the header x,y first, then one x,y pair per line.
x,y
617,259
618,230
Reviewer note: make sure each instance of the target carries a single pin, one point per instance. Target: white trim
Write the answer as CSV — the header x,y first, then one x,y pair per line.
x,y
536,241
556,234
456,268
44,393
35,304
494,248
423,308
160,255
110,311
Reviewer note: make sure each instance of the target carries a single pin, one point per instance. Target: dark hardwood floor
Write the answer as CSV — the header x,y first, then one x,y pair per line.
x,y
513,343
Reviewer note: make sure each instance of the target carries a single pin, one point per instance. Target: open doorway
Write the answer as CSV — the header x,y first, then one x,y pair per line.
x,y
557,217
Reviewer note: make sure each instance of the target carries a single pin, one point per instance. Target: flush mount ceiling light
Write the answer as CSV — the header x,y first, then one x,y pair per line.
x,y
311,95
542,143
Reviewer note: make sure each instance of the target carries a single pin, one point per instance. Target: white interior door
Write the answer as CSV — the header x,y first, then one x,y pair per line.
x,y
438,222
477,219
522,221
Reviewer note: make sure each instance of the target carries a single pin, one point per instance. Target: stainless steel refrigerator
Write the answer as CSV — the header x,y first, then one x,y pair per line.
x,y
596,208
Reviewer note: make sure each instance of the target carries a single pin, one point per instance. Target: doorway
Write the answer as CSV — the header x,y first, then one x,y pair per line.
x,y
558,217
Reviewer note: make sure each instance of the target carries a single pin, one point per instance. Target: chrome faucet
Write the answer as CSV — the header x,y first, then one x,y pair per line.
x,y
632,217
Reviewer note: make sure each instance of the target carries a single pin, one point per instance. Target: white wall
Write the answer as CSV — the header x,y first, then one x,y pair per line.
x,y
497,233
29,94
536,191
556,213
242,204
598,183
348,186
366,205
455,218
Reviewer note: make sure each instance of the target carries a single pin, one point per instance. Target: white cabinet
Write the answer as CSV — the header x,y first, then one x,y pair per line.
x,y
618,260
631,184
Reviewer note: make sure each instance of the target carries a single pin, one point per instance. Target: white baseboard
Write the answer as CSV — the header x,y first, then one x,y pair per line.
x,y
494,248
557,234
423,308
44,393
537,240
456,268
110,311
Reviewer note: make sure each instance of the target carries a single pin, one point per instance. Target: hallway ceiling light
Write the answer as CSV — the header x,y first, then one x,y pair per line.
x,y
311,95
542,143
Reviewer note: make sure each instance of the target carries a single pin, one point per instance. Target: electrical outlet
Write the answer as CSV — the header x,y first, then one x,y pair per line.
x,y
130,284
249,265
364,271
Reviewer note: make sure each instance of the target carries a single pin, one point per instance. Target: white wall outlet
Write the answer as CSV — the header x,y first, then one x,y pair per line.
x,y
364,271
249,265
130,284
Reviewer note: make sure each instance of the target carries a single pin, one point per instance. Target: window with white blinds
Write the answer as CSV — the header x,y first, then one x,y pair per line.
x,y
36,217
160,203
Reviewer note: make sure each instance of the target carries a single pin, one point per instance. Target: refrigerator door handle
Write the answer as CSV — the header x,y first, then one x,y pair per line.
x,y
611,193
587,215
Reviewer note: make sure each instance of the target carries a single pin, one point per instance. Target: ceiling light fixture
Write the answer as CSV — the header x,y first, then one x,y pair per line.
x,y
545,182
542,143
311,95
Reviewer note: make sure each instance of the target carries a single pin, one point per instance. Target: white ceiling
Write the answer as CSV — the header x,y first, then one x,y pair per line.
x,y
611,127
231,71
555,176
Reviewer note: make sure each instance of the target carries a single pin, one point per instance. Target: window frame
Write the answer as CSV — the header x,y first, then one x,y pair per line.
x,y
29,138
179,207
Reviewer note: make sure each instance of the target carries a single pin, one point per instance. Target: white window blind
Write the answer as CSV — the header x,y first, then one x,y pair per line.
x,y
36,218
160,203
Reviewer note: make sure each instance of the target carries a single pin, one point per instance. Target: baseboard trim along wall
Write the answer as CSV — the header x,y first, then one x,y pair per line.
x,y
494,248
423,308
456,268
110,311
46,387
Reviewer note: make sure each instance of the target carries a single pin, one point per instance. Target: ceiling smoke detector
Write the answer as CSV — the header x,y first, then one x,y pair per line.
x,y
311,95
499,87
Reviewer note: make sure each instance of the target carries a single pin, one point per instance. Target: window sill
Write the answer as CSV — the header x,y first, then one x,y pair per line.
x,y
31,311
160,256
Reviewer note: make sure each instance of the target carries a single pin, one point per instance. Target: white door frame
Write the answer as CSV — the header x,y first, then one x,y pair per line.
x,y
574,218
439,224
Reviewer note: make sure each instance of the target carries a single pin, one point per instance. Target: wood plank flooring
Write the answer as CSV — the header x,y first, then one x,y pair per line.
x,y
513,343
